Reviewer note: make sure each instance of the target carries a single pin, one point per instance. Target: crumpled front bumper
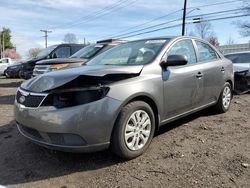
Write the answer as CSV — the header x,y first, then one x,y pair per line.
x,y
82,128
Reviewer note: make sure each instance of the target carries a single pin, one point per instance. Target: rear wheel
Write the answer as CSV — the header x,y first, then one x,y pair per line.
x,y
134,130
225,98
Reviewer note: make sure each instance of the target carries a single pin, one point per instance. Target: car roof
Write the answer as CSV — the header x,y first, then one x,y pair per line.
x,y
170,38
111,41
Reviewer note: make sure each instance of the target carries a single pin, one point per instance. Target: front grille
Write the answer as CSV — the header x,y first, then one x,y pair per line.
x,y
29,100
66,139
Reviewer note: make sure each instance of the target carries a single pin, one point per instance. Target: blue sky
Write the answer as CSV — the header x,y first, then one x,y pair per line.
x,y
26,17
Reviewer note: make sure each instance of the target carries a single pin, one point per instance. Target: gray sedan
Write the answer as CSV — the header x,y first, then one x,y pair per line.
x,y
122,96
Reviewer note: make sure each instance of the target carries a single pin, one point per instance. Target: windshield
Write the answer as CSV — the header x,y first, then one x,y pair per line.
x,y
239,58
46,51
131,53
88,51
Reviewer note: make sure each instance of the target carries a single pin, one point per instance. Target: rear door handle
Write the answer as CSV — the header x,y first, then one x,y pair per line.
x,y
222,69
199,75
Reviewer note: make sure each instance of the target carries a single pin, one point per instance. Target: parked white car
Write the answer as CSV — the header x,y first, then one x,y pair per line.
x,y
241,63
241,60
4,63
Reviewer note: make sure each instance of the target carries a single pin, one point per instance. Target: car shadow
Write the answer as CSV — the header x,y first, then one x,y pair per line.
x,y
11,84
21,161
7,99
185,120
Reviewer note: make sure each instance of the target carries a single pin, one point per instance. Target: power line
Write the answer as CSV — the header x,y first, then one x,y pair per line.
x,y
171,21
100,15
177,25
123,32
121,5
217,12
46,36
214,4
94,13
145,23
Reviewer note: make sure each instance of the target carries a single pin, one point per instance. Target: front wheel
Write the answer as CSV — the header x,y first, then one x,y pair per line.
x,y
225,98
134,130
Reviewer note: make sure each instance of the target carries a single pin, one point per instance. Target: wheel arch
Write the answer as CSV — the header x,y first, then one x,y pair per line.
x,y
147,99
230,82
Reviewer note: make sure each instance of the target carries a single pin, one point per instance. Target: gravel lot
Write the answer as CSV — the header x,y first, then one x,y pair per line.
x,y
201,150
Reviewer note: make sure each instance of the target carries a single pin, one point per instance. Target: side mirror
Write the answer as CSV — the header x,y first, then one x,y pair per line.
x,y
175,60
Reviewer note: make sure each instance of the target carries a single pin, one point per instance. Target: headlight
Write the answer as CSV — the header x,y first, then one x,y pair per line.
x,y
74,97
58,66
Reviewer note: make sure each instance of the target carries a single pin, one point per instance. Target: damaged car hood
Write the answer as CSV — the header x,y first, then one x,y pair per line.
x,y
58,78
241,67
61,61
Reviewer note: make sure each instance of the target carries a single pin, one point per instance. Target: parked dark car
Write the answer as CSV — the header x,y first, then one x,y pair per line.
x,y
123,95
25,69
241,62
77,59
12,71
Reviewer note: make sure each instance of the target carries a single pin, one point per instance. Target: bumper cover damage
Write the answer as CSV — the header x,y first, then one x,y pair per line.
x,y
242,79
76,114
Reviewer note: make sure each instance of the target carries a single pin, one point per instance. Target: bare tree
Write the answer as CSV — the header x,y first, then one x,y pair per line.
x,y
230,41
70,38
203,29
191,33
213,40
244,25
34,51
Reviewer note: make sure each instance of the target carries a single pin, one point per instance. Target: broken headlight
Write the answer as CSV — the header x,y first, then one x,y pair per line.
x,y
73,97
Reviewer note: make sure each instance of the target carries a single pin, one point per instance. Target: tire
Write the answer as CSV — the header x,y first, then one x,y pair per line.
x,y
225,99
138,138
6,74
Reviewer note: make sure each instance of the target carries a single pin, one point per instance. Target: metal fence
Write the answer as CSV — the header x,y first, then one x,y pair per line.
x,y
225,49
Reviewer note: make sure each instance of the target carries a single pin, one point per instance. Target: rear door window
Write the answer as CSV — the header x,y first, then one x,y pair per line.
x,y
205,52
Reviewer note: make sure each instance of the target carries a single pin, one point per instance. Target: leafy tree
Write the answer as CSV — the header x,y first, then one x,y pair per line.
x,y
34,51
70,38
6,37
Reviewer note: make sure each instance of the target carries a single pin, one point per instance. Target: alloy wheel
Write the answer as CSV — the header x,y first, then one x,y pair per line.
x,y
137,130
226,97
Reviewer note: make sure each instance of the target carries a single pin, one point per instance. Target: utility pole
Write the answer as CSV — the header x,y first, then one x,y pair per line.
x,y
184,17
46,36
3,44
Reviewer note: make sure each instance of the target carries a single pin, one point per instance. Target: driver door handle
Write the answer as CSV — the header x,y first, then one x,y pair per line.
x,y
199,75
